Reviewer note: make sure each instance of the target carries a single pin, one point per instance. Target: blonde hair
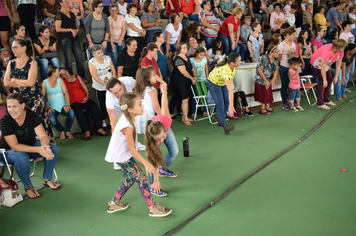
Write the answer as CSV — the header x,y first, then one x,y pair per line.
x,y
339,44
153,153
127,100
237,10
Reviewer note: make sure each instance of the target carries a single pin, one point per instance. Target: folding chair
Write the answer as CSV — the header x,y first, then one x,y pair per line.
x,y
200,101
308,86
2,151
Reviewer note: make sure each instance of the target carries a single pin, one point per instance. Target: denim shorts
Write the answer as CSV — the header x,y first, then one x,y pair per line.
x,y
294,94
172,47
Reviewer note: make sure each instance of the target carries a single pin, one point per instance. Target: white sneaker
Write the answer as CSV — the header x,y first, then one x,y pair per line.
x,y
141,146
116,166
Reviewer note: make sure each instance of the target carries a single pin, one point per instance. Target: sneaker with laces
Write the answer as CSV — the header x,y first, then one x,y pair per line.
x,y
117,206
116,166
286,107
168,173
248,113
159,211
293,109
300,108
161,194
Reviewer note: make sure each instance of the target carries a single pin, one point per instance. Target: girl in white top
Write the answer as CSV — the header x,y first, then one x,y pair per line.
x,y
122,6
145,78
122,150
101,69
173,35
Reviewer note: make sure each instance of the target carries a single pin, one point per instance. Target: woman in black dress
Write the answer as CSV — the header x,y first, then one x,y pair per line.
x,y
184,77
128,61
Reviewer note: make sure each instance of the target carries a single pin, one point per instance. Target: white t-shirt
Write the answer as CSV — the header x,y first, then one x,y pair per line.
x,y
348,37
103,71
136,21
175,34
352,16
147,100
118,150
112,102
122,9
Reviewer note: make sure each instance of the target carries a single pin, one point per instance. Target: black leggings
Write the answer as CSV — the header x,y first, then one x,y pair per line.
x,y
101,97
242,95
90,105
27,13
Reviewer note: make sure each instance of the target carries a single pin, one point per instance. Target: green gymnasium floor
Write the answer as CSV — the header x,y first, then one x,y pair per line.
x,y
302,193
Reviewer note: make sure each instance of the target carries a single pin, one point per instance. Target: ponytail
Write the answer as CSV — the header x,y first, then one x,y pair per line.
x,y
149,47
231,58
153,153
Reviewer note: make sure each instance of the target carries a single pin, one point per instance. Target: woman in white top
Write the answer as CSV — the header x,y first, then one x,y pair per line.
x,y
101,69
173,35
352,16
122,6
134,27
117,33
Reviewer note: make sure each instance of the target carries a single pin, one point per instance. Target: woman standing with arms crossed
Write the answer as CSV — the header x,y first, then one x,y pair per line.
x,y
21,75
287,50
221,87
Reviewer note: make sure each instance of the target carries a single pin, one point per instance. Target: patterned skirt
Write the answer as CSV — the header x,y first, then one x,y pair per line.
x,y
141,121
49,21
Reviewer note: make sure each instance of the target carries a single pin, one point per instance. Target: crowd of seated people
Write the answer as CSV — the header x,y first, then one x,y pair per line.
x,y
123,37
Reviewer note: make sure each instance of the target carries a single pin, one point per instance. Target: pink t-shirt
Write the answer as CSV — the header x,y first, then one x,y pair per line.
x,y
116,26
165,120
325,53
287,52
316,43
294,83
74,5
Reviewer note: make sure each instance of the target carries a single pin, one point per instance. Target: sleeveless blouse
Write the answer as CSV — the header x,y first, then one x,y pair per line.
x,y
55,96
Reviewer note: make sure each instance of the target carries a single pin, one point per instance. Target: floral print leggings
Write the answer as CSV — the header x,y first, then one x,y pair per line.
x,y
133,173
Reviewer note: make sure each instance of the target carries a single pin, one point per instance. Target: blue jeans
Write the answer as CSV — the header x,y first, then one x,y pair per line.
x,y
242,48
209,41
194,17
226,42
172,146
221,97
294,94
114,55
82,21
328,30
21,161
306,68
172,47
149,33
353,31
69,121
44,63
283,72
69,45
339,88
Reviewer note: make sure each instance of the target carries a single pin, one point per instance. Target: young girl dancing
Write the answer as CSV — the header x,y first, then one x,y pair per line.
x,y
122,150
159,130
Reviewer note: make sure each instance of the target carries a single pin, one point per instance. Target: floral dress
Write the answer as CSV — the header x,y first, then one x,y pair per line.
x,y
33,97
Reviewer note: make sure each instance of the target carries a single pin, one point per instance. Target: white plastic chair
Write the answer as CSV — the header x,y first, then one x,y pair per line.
x,y
308,86
200,101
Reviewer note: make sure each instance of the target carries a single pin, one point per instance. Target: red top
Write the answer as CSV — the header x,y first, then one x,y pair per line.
x,y
230,20
187,8
147,62
165,120
75,90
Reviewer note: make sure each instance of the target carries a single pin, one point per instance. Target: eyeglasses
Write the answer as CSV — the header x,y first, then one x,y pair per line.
x,y
15,47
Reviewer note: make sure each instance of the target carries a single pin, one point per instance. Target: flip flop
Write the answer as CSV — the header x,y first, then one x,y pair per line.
x,y
187,123
264,113
70,136
325,107
32,189
270,110
45,182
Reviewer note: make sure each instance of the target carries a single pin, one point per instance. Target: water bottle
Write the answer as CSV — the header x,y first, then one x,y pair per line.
x,y
186,147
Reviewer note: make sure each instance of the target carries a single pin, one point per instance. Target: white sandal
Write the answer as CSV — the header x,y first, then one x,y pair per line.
x,y
330,103
325,107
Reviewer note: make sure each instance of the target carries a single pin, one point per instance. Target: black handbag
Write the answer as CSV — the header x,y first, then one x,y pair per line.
x,y
48,55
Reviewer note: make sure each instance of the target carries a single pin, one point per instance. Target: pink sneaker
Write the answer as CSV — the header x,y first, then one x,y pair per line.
x,y
233,117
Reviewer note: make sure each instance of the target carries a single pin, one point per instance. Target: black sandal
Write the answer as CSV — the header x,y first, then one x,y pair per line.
x,y
270,110
264,113
32,189
45,182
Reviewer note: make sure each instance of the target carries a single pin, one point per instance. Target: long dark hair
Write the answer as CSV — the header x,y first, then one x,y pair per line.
x,y
128,42
23,43
42,29
231,58
300,37
149,47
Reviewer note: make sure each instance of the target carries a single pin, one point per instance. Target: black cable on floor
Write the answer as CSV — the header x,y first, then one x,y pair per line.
x,y
255,171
